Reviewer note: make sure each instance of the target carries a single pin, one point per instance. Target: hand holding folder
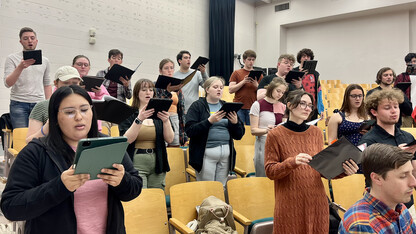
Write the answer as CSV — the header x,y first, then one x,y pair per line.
x,y
200,61
329,161
118,71
33,54
162,81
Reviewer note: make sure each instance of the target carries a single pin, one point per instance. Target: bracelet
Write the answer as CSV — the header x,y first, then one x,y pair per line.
x,y
41,130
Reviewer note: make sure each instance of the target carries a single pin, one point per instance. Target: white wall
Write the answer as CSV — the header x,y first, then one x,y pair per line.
x,y
352,39
245,30
145,30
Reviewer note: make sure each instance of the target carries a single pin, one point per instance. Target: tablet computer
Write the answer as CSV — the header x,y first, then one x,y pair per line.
x,y
33,54
255,74
94,154
92,82
293,75
231,106
310,65
159,104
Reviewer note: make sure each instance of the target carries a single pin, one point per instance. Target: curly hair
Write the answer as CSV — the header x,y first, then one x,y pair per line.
x,y
305,51
373,100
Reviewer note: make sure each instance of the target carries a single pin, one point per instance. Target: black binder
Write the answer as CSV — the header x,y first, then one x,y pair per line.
x,y
92,82
118,71
33,54
329,161
112,110
199,61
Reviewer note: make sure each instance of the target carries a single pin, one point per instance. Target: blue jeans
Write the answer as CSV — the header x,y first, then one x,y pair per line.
x,y
19,113
244,115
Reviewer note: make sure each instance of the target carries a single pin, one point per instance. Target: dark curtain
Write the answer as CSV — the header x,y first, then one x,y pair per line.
x,y
221,38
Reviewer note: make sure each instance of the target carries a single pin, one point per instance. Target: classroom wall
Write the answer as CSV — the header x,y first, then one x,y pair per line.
x,y
352,39
245,30
144,30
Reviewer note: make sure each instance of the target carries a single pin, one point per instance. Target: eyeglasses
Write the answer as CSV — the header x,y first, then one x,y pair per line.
x,y
82,64
303,105
355,96
70,112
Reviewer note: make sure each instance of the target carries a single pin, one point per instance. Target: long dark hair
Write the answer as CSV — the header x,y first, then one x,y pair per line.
x,y
55,137
346,107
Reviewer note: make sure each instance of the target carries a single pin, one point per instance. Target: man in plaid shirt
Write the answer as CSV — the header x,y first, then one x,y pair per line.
x,y
388,171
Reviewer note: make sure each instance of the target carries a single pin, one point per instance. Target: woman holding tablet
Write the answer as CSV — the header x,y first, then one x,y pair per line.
x,y
177,109
43,189
298,187
211,149
147,137
265,114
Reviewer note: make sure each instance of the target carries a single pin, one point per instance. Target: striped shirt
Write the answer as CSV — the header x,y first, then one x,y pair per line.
x,y
370,215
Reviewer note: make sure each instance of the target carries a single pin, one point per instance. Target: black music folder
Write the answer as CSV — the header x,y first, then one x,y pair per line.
x,y
329,161
92,82
255,74
159,104
199,61
162,81
112,110
118,71
293,75
310,65
33,54
403,86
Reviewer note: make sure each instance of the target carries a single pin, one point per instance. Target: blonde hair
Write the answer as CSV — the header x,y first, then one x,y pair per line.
x,y
209,81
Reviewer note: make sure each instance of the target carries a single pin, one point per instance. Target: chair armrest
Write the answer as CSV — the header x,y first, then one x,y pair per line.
x,y
241,218
12,152
191,172
182,228
240,171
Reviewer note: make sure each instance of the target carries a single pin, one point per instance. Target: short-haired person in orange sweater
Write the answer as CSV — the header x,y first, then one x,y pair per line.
x,y
301,204
245,87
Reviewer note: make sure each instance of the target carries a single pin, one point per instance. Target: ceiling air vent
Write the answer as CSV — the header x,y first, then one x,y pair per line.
x,y
281,7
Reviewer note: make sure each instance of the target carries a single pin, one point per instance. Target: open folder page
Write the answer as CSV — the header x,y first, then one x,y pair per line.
x,y
329,161
112,110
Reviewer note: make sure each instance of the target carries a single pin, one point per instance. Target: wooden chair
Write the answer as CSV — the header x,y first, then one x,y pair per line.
x,y
19,142
147,213
253,197
115,131
245,156
410,130
185,197
348,190
226,95
176,175
247,139
104,130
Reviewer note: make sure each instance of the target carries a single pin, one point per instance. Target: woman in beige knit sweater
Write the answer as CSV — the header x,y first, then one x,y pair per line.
x,y
301,203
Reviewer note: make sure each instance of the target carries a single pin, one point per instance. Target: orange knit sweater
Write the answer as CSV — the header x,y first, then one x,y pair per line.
x,y
301,203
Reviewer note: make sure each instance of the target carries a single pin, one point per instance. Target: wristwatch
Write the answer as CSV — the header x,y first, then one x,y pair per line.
x,y
138,121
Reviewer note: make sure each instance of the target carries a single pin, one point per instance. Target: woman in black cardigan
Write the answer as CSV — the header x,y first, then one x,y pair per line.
x,y
211,149
147,137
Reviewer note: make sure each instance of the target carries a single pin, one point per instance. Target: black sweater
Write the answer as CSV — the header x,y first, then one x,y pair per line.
x,y
35,192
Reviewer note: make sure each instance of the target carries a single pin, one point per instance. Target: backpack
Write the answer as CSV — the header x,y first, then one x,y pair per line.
x,y
215,216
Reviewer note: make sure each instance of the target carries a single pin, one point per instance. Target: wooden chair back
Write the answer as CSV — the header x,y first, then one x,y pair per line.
x,y
185,197
147,213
